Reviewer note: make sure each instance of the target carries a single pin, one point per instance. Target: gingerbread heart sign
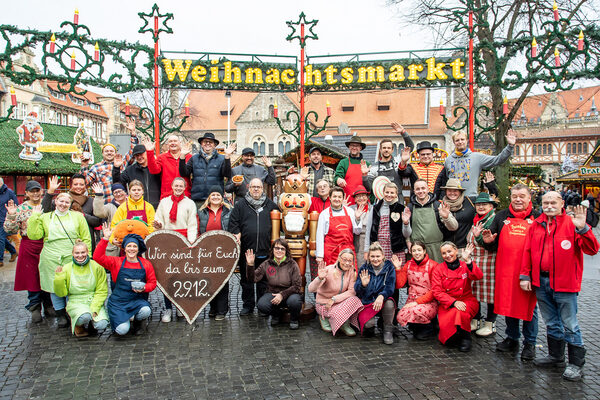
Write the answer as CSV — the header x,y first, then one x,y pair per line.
x,y
192,275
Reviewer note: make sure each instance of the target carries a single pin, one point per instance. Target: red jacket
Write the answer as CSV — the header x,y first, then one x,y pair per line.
x,y
568,246
449,286
166,164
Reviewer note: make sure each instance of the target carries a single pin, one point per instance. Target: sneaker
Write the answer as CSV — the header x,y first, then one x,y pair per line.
x,y
246,311
13,257
325,324
487,329
475,324
80,331
572,373
179,314
219,317
212,313
507,345
294,325
166,316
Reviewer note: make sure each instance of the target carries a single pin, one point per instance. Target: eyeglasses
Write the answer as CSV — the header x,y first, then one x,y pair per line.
x,y
279,248
347,260
255,187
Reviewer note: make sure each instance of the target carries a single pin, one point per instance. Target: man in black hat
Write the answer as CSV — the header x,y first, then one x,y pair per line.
x,y
316,171
348,174
249,170
138,170
386,165
425,169
207,168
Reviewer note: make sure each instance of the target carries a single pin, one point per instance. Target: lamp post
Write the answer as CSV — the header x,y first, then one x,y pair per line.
x,y
228,96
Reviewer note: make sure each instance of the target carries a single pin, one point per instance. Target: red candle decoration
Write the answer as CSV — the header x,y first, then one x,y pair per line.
x,y
73,60
556,57
53,44
328,109
555,10
580,41
13,96
96,52
275,111
442,108
505,106
76,17
127,108
187,108
533,48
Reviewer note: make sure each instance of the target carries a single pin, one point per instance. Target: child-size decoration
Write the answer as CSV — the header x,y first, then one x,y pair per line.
x,y
30,134
84,146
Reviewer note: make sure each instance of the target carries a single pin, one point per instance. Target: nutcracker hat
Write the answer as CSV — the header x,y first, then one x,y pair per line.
x,y
208,135
355,139
453,183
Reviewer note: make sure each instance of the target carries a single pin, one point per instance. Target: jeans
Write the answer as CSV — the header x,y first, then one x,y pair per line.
x,y
530,328
168,304
38,298
293,303
87,318
248,286
559,310
59,303
5,244
220,304
123,328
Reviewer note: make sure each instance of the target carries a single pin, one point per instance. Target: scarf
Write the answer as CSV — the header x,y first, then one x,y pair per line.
x,y
487,221
81,264
460,154
173,212
78,201
256,204
453,265
521,214
423,261
455,205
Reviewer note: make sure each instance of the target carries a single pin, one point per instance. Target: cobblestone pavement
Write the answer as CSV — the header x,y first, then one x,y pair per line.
x,y
243,357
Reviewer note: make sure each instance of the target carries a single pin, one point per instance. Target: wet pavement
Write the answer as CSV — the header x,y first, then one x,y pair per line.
x,y
244,357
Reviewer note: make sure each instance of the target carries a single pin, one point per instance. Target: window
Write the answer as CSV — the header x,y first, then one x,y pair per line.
x,y
585,148
517,151
568,148
579,148
58,95
544,149
550,149
271,111
284,145
534,150
258,145
271,149
435,146
43,114
347,108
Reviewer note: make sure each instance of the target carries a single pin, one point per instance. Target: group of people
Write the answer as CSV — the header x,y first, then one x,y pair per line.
x,y
449,246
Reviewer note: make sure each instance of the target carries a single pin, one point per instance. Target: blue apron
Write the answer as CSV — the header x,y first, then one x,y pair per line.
x,y
124,303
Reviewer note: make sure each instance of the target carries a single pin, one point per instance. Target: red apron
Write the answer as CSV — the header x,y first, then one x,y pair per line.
x,y
509,299
339,236
353,179
140,215
27,274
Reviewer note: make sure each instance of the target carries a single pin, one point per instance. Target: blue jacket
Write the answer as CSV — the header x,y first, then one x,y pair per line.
x,y
382,284
5,195
205,173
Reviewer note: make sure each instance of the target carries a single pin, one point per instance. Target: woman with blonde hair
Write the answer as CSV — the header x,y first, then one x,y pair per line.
x,y
375,289
214,215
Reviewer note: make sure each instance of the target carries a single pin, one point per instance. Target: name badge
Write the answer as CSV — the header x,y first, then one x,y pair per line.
x,y
258,211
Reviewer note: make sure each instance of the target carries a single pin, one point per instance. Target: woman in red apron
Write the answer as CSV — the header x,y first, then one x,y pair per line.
x,y
421,307
451,285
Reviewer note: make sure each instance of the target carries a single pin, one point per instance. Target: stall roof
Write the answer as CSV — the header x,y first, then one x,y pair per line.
x,y
51,163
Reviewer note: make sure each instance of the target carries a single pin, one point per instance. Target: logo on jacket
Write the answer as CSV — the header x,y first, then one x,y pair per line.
x,y
565,244
395,216
271,270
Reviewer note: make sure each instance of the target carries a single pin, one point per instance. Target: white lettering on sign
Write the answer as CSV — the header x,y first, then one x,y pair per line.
x,y
190,289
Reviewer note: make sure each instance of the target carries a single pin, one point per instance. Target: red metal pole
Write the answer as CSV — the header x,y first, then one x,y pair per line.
x,y
471,84
156,105
301,95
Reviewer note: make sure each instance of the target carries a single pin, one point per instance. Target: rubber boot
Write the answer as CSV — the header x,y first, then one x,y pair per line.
x,y
573,372
556,355
61,318
388,333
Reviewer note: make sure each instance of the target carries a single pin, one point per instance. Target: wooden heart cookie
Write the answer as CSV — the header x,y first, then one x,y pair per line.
x,y
192,275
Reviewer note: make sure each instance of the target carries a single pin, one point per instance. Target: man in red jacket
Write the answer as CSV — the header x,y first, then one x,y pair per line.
x,y
167,164
553,264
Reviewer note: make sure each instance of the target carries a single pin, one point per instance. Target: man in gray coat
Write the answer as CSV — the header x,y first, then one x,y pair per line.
x,y
249,171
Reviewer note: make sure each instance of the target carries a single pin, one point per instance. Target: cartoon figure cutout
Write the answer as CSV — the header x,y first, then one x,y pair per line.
x,y
82,141
30,134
